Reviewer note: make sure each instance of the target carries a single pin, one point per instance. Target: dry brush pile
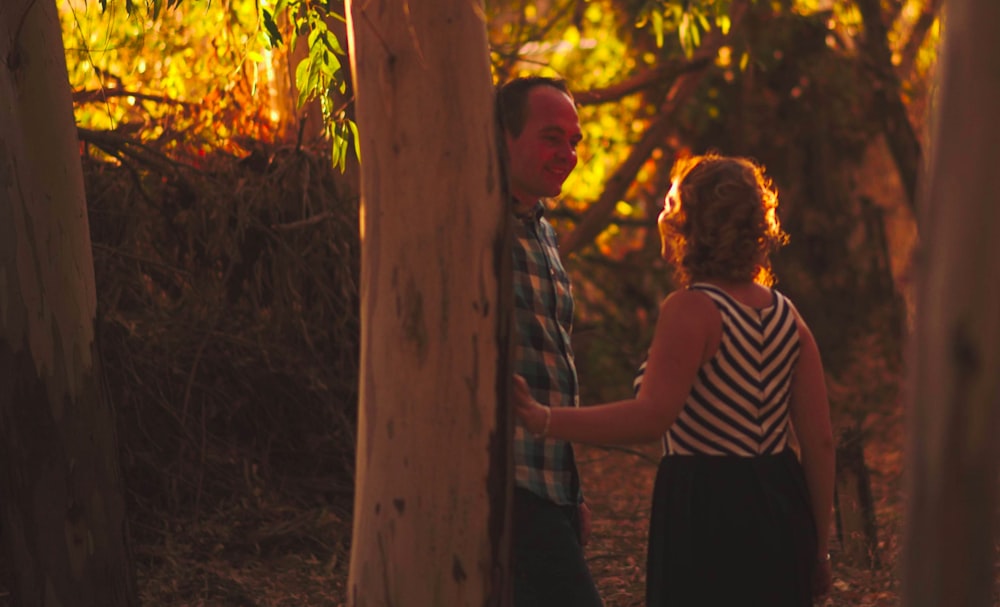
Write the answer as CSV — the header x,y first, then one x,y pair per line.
x,y
228,327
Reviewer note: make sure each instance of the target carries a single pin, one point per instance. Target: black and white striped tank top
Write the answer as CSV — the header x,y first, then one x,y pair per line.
x,y
738,404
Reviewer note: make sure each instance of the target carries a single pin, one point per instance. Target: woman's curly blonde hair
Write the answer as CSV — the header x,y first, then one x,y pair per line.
x,y
721,220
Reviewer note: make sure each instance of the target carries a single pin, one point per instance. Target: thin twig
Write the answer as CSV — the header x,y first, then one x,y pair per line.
x,y
303,223
143,260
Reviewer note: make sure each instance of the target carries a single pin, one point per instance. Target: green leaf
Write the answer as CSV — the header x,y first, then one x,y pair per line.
x,y
339,81
703,21
273,35
301,80
317,32
354,136
314,79
334,43
333,69
657,18
724,24
339,148
684,35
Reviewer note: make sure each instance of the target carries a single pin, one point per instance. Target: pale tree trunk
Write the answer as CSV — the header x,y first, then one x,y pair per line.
x,y
431,508
62,519
955,417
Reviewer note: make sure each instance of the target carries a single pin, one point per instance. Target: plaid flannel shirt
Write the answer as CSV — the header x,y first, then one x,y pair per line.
x,y
543,319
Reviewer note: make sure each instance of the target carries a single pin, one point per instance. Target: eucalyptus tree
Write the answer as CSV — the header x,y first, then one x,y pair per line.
x,y
952,452
62,515
434,467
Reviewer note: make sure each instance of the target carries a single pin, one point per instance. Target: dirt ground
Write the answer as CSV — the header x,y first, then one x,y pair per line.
x,y
270,555
619,484
289,558
260,552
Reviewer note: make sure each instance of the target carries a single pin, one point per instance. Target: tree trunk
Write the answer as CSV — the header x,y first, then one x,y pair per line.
x,y
953,450
434,471
899,134
62,518
857,530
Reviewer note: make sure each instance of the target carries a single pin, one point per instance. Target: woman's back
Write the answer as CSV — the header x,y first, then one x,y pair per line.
x,y
731,521
738,404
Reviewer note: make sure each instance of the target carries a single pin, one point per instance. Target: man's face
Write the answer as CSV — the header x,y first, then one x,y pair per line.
x,y
544,154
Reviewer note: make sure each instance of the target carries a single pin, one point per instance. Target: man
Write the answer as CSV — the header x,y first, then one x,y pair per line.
x,y
551,523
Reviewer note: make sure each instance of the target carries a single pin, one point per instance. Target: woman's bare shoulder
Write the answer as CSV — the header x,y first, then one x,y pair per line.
x,y
689,304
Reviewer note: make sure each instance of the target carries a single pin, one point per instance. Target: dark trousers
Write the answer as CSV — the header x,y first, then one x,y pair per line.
x,y
549,567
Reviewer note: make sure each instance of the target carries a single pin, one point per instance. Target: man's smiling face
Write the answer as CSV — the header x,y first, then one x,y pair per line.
x,y
544,154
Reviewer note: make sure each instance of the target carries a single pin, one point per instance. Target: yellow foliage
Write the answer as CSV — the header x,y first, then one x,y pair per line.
x,y
196,71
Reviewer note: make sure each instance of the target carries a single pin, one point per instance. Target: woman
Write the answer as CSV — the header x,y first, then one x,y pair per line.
x,y
732,367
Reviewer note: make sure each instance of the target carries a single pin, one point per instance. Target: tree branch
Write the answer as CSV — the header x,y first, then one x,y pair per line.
x,y
116,143
101,95
918,34
596,217
665,73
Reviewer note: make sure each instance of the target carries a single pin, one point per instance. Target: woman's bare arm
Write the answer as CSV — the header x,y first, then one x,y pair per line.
x,y
684,330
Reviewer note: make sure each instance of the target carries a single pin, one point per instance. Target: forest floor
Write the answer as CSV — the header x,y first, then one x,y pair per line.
x,y
619,484
265,552
272,555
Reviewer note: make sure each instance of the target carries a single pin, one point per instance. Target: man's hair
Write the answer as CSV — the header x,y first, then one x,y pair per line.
x,y
512,100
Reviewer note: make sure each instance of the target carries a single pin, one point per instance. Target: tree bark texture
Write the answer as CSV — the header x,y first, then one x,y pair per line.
x,y
953,448
434,472
62,518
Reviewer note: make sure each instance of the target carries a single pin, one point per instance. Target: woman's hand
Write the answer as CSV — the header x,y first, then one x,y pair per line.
x,y
526,408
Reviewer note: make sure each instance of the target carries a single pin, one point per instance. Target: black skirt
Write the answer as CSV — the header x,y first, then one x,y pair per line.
x,y
730,531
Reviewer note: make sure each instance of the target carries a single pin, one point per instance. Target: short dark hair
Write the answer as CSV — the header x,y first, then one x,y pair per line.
x,y
512,100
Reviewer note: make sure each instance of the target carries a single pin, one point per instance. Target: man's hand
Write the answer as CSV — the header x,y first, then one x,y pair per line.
x,y
584,512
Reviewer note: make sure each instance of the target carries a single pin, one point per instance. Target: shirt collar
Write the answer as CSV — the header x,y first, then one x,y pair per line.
x,y
533,214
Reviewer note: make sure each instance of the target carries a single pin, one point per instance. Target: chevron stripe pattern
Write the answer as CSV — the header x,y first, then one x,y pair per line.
x,y
739,402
